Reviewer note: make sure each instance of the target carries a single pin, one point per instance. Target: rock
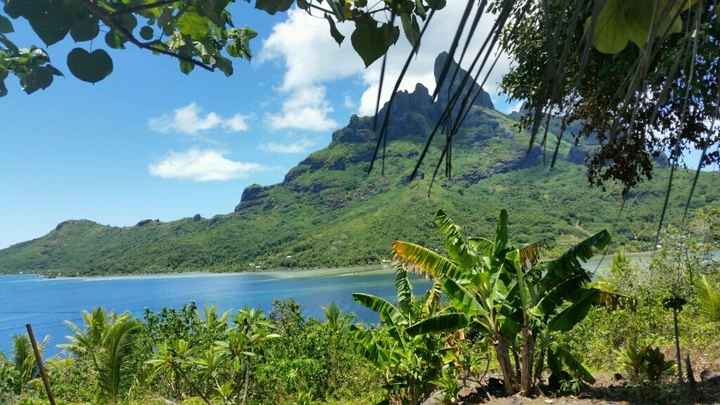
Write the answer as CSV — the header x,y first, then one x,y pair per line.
x,y
251,196
709,375
445,93
146,222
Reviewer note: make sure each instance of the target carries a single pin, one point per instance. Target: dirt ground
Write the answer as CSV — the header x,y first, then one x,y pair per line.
x,y
605,391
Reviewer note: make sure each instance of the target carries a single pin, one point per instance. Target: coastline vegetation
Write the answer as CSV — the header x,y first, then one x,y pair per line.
x,y
495,321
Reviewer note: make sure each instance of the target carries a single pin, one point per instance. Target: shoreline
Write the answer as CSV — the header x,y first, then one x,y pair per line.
x,y
281,273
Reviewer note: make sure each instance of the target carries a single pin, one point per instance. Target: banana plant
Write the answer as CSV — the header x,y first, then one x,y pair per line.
x,y
510,295
709,299
411,363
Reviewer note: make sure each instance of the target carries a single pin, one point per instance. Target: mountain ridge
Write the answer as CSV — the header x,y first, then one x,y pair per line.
x,y
328,211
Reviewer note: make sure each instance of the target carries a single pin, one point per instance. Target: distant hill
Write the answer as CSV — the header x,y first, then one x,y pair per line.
x,y
329,212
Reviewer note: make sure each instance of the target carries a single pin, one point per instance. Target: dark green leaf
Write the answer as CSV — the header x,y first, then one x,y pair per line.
x,y
5,25
215,9
273,6
85,29
225,65
439,323
339,38
90,67
115,40
411,28
574,313
127,21
501,234
437,4
186,67
370,41
3,76
573,365
39,78
147,32
51,21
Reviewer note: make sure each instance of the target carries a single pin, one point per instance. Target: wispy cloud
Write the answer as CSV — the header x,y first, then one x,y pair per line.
x,y
190,120
289,148
202,165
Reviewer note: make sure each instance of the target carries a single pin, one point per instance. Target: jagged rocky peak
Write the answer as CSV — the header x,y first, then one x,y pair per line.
x,y
252,195
446,92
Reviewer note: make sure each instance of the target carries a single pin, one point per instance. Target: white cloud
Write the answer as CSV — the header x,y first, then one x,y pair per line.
x,y
299,147
312,58
191,121
202,165
348,102
306,108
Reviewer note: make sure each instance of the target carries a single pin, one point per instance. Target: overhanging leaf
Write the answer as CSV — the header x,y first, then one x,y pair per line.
x,y
273,6
5,25
90,67
372,41
85,29
337,36
51,21
411,28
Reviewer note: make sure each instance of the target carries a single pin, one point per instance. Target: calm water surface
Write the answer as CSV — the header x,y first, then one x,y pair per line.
x,y
47,303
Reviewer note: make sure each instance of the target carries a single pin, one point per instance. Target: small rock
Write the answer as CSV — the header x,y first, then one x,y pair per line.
x,y
707,375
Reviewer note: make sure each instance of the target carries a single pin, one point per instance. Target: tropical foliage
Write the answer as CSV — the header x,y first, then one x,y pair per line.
x,y
511,297
538,320
198,34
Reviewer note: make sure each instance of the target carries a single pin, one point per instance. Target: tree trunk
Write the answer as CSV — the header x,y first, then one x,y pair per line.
x,y
526,380
247,382
678,358
539,366
501,352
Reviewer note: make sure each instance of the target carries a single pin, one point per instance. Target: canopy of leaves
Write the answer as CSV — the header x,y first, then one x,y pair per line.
x,y
197,33
635,79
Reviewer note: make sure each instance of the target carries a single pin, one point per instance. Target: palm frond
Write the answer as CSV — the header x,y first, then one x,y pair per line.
x,y
455,240
388,312
423,260
462,299
448,322
709,299
403,289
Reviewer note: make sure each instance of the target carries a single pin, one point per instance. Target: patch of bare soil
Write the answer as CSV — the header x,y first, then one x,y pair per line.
x,y
607,390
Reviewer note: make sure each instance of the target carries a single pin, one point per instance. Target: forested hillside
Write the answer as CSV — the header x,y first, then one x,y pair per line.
x,y
328,211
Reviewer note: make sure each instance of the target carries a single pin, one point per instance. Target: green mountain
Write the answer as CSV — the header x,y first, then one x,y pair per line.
x,y
329,212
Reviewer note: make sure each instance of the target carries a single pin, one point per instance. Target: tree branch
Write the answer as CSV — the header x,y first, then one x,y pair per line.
x,y
108,19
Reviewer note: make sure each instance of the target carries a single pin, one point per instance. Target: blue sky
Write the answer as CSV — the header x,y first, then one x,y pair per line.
x,y
150,142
